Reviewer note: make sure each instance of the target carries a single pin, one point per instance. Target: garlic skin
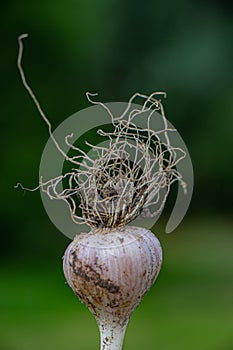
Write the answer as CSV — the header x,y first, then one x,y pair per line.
x,y
110,271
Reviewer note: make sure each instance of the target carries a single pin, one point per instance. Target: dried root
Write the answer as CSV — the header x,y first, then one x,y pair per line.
x,y
130,177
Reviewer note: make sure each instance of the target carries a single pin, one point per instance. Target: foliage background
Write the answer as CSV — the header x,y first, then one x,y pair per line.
x,y
115,48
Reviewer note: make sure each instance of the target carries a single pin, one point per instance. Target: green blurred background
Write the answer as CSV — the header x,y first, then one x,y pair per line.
x,y
115,48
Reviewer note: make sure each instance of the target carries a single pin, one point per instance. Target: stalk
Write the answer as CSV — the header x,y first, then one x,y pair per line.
x,y
111,335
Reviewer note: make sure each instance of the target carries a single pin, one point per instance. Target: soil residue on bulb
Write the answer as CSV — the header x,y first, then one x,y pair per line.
x,y
87,273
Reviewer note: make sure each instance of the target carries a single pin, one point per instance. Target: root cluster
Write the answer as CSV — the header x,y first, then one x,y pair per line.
x,y
129,176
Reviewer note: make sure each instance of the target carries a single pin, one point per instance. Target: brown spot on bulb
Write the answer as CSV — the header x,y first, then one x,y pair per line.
x,y
90,275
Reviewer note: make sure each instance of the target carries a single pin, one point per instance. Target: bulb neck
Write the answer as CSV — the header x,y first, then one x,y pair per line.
x,y
111,335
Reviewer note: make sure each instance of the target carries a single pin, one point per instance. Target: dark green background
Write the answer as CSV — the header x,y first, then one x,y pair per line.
x,y
116,48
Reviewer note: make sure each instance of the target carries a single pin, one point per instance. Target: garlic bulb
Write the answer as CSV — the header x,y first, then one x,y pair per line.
x,y
110,271
112,267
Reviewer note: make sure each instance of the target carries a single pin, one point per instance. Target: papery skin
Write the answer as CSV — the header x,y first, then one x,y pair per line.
x,y
110,271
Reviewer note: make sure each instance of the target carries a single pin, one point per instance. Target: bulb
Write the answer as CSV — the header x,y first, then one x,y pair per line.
x,y
110,271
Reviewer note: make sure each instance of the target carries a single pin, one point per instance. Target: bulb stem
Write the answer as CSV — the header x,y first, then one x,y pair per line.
x,y
111,335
